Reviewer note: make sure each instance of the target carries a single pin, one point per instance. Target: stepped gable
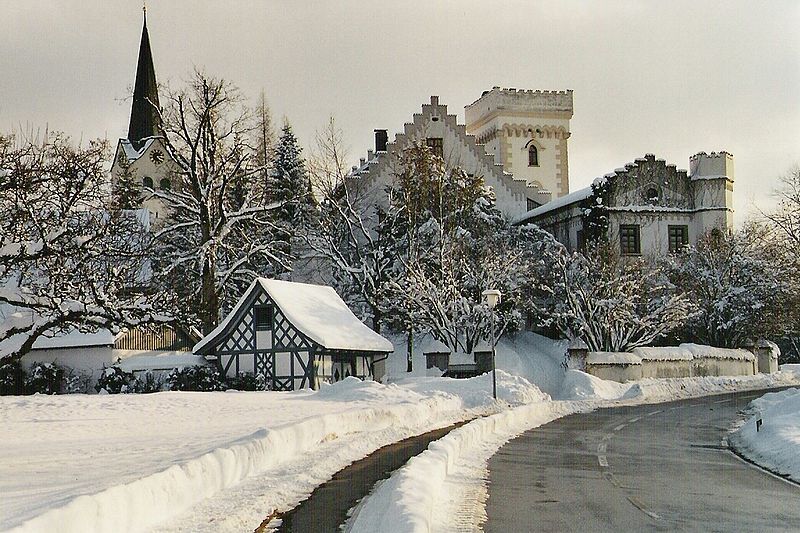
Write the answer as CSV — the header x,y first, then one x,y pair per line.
x,y
376,162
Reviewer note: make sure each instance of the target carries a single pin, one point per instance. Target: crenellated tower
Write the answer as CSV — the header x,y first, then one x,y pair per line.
x,y
527,132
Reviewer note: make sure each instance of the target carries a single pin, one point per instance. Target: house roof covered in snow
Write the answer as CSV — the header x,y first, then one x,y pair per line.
x,y
316,311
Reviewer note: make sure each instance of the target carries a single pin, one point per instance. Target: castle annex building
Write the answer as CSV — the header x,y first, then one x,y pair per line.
x,y
647,208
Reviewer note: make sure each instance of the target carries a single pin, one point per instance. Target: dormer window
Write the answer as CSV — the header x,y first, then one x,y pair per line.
x,y
533,156
147,181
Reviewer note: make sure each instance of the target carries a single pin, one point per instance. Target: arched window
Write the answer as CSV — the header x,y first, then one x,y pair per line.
x,y
533,156
147,182
164,184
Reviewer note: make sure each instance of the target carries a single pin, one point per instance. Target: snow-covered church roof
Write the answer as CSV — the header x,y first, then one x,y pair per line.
x,y
317,311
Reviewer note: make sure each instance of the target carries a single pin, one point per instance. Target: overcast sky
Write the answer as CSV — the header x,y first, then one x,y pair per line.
x,y
671,78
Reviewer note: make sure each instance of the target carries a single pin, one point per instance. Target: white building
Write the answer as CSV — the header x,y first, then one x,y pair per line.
x,y
451,140
527,132
295,335
647,208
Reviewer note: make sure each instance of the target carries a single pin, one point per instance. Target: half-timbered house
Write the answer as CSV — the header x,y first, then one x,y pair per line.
x,y
295,335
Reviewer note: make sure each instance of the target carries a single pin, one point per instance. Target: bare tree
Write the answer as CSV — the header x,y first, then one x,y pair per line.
x,y
222,230
69,259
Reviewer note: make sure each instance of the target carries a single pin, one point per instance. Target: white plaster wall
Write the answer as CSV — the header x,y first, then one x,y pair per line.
x,y
618,373
83,360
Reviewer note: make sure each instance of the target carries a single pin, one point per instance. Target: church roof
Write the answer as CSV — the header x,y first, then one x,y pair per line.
x,y
144,114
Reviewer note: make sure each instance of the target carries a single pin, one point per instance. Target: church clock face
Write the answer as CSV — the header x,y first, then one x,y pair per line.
x,y
157,157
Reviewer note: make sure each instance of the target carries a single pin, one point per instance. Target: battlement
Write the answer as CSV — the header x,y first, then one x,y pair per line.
x,y
514,100
713,165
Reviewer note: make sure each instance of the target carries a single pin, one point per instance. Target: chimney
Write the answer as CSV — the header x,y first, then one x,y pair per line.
x,y
381,138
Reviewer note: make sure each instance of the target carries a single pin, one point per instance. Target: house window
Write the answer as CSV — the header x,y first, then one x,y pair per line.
x,y
147,182
164,184
533,156
263,318
629,243
678,238
436,144
652,195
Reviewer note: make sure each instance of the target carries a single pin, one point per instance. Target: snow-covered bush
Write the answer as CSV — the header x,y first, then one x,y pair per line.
x,y
246,381
195,378
45,378
76,382
12,377
114,380
149,382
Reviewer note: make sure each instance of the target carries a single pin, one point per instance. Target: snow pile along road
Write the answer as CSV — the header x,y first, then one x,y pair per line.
x,y
447,482
775,445
132,462
409,500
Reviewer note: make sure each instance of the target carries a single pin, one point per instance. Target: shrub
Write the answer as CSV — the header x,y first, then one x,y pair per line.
x,y
149,383
12,377
45,378
76,382
114,380
246,381
195,378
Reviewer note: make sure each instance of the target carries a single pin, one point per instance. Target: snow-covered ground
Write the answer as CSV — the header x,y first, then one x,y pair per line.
x,y
444,488
186,461
776,444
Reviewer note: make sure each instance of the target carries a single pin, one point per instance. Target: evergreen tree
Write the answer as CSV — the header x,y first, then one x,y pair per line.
x,y
290,182
126,190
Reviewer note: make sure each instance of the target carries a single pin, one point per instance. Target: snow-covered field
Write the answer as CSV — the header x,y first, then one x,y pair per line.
x,y
186,461
776,445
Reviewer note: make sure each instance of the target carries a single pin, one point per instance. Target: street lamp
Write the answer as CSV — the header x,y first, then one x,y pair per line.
x,y
492,299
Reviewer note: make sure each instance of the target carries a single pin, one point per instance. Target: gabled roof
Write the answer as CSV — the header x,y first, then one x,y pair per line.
x,y
317,311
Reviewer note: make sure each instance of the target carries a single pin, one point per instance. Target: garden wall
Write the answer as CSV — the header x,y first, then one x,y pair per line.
x,y
686,360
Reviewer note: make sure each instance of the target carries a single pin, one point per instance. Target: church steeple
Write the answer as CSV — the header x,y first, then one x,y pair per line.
x,y
144,117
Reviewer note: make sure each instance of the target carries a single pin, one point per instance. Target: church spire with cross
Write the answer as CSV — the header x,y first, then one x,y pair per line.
x,y
144,115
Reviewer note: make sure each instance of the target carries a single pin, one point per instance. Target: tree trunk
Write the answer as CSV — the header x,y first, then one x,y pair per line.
x,y
409,350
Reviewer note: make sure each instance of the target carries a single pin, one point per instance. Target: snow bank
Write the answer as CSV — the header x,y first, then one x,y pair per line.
x,y
776,444
612,358
582,386
667,353
407,501
145,502
699,350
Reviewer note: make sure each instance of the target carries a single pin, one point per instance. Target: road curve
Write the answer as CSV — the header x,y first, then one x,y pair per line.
x,y
660,467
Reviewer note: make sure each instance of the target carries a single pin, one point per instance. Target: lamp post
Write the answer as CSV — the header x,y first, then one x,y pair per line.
x,y
492,299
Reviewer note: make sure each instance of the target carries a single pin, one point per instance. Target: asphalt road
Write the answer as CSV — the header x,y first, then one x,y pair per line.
x,y
661,467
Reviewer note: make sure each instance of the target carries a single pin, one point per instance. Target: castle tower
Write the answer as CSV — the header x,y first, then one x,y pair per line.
x,y
144,110
527,131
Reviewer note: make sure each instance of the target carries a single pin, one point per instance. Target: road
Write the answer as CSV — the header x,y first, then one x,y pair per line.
x,y
661,467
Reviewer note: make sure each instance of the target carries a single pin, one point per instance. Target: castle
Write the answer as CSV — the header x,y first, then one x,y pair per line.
x,y
517,140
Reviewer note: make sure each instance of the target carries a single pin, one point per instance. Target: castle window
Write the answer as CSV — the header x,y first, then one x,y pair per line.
x,y
147,181
678,238
436,144
629,243
533,156
164,184
263,316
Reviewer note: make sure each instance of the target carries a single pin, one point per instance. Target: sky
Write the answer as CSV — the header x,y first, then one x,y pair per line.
x,y
669,78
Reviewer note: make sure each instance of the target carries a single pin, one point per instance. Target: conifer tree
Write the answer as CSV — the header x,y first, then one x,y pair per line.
x,y
290,181
126,190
